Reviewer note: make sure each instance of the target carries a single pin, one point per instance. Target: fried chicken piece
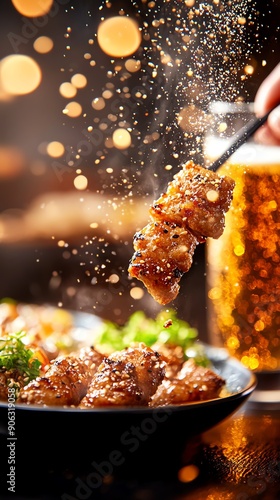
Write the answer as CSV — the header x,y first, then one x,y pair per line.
x,y
192,209
4,382
10,378
65,381
126,378
173,355
196,198
192,383
163,252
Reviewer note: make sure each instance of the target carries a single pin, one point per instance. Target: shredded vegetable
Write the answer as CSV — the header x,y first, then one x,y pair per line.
x,y
15,356
166,328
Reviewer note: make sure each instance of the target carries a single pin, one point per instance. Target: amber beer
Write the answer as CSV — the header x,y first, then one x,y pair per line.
x,y
243,265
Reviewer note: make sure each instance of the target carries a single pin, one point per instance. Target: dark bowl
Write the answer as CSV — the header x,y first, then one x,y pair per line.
x,y
63,447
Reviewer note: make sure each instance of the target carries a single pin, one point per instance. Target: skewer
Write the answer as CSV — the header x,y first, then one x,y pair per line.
x,y
183,216
240,138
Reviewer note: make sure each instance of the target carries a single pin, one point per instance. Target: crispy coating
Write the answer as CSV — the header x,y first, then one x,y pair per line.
x,y
197,198
192,209
3,386
9,378
4,381
65,382
192,383
163,252
173,355
126,378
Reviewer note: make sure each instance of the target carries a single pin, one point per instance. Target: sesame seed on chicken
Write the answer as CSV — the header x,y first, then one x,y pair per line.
x,y
126,378
65,381
192,209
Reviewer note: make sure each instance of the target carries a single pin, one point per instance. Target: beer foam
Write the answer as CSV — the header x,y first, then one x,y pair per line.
x,y
249,153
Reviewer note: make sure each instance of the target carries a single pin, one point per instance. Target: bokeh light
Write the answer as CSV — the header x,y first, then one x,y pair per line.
x,y
81,182
67,90
19,74
98,103
188,473
119,36
12,162
121,138
73,109
43,44
32,8
55,149
79,81
132,65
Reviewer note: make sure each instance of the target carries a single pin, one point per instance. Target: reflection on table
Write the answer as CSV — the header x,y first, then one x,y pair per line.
x,y
238,459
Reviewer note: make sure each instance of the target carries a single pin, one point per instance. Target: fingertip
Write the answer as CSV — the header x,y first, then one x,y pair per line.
x,y
268,93
274,122
266,137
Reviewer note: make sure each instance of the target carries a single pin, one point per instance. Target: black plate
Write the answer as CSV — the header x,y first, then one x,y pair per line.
x,y
118,440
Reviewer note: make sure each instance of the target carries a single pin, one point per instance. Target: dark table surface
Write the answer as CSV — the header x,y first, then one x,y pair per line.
x,y
238,459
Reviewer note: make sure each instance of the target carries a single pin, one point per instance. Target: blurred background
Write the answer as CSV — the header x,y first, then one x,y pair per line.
x,y
95,123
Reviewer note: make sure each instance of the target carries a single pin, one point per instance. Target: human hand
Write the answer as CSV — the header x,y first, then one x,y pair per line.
x,y
267,95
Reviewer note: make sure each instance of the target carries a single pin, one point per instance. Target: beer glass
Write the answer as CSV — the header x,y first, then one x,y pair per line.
x,y
243,265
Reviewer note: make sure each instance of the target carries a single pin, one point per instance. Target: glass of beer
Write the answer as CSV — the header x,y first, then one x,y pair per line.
x,y
243,265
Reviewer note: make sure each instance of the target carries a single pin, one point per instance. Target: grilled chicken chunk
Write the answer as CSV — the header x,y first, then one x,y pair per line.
x,y
192,209
163,252
173,355
126,378
192,383
65,382
196,198
9,378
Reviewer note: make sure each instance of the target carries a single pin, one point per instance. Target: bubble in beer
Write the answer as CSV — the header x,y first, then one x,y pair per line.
x,y
244,263
19,74
32,8
118,36
121,138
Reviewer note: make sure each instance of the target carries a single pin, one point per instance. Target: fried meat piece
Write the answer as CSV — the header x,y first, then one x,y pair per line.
x,y
192,383
65,381
126,378
9,378
4,382
173,355
163,252
192,209
196,198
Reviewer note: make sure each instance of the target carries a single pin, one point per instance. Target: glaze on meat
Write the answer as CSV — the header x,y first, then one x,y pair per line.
x,y
197,198
191,383
192,209
163,252
65,382
126,378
